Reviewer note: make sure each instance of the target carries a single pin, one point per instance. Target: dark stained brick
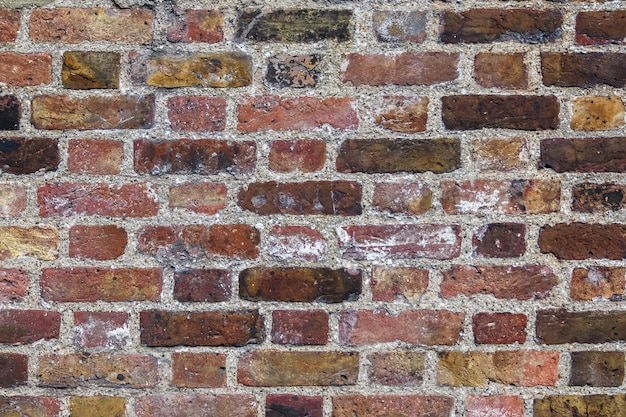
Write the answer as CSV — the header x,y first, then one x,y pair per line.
x,y
590,198
601,27
500,240
586,69
584,154
87,70
597,369
28,155
296,71
560,326
28,326
400,25
202,285
584,241
288,405
10,112
13,372
598,405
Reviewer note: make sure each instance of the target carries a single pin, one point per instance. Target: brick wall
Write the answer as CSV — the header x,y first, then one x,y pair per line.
x,y
318,209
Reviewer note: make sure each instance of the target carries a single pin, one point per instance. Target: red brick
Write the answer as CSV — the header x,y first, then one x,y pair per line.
x,y
197,26
189,242
101,329
28,326
90,284
500,240
202,156
13,371
561,326
355,405
41,242
407,68
400,25
404,197
398,283
266,113
584,154
583,69
304,327
501,70
95,156
98,370
12,200
401,114
497,405
171,405
436,241
584,241
97,199
499,328
597,282
29,406
13,285
197,113
341,198
97,242
25,69
287,405
297,242
601,27
201,328
199,197
293,155
202,285
9,25
497,196
397,368
590,198
507,282
416,327
198,370
77,25
10,113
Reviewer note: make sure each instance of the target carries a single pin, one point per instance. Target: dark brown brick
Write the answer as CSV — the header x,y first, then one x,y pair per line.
x,y
598,405
304,284
28,155
202,285
287,405
499,328
13,372
500,112
341,198
583,69
560,326
397,368
501,70
500,240
297,71
584,154
300,327
28,326
201,328
10,112
597,369
90,70
584,241
399,155
400,25
97,242
601,27
590,198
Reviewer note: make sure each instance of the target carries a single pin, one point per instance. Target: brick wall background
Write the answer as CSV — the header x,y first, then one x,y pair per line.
x,y
322,208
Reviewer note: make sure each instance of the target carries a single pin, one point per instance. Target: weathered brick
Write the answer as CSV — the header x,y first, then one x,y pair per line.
x,y
10,112
217,70
201,328
583,69
295,25
197,26
561,326
197,113
472,112
499,328
401,113
397,368
97,242
98,406
90,284
13,372
95,156
90,70
286,405
584,241
73,25
306,155
13,285
522,282
499,405
297,71
398,283
597,281
95,112
500,240
171,405
199,197
597,113
97,199
29,406
355,405
297,242
399,25
590,197
101,329
500,154
190,242
9,25
270,368
525,368
300,327
198,370
399,155
584,154
25,69
202,285
28,326
501,70
323,285
598,405
405,197
601,27
341,198
506,197
41,242
496,25
597,369
28,155
12,200
416,327
263,113
406,68
98,369
202,156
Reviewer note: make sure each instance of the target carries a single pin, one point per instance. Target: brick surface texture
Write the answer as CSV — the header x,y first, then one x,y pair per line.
x,y
292,208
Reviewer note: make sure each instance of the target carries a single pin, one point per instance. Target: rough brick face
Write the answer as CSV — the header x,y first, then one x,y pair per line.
x,y
584,241
28,155
12,200
28,326
583,69
13,371
500,154
599,369
202,197
500,240
95,156
504,406
411,198
501,70
297,242
197,26
41,242
597,113
25,69
499,328
90,70
13,285
35,406
280,405
398,368
601,27
291,327
297,71
399,25
354,405
197,113
196,404
584,154
98,406
101,329
398,283
597,282
292,155
97,242
401,114
10,112
199,370
598,405
202,285
9,25
560,326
